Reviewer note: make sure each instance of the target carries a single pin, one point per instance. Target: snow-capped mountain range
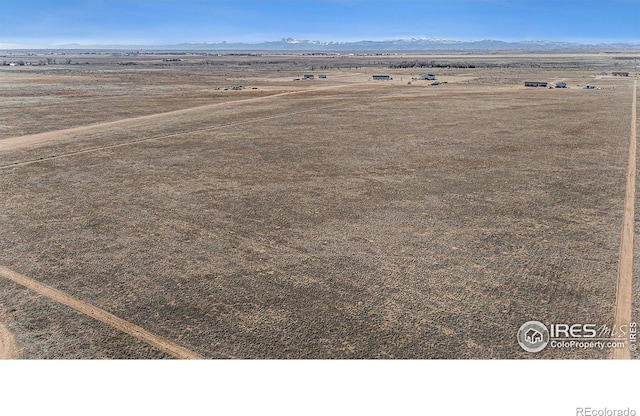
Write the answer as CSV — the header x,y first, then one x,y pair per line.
x,y
410,44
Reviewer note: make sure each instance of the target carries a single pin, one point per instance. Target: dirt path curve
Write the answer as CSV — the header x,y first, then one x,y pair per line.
x,y
625,262
7,344
101,315
20,142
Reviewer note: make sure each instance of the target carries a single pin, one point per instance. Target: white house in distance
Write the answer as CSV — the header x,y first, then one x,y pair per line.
x,y
429,77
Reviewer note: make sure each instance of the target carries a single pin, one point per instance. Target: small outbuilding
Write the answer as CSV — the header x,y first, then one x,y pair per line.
x,y
429,77
535,84
323,76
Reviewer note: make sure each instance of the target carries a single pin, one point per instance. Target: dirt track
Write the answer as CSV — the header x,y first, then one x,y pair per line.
x,y
7,345
41,139
20,142
624,298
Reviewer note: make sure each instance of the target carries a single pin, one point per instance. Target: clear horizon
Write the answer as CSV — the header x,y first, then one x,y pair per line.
x,y
38,23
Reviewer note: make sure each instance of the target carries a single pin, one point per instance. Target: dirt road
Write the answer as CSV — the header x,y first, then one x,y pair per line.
x,y
44,139
625,265
6,342
20,142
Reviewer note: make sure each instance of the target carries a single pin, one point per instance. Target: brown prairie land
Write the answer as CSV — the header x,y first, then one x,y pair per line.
x,y
226,208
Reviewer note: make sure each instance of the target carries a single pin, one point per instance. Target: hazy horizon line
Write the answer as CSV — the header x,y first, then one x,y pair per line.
x,y
310,42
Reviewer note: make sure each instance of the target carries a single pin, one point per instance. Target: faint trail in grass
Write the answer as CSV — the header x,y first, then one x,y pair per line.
x,y
101,315
166,136
625,263
14,143
7,344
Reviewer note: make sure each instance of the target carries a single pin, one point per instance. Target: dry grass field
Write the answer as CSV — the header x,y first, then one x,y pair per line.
x,y
332,218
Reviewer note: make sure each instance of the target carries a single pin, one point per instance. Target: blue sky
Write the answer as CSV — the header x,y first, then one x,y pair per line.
x,y
45,23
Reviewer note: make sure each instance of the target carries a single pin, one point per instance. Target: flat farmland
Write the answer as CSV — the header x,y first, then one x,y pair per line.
x,y
333,218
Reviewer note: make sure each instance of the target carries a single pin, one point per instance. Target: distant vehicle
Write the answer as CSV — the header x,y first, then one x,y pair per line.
x,y
561,85
435,83
589,87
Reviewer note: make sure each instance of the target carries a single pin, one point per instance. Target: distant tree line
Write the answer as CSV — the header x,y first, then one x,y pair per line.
x,y
41,62
430,64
